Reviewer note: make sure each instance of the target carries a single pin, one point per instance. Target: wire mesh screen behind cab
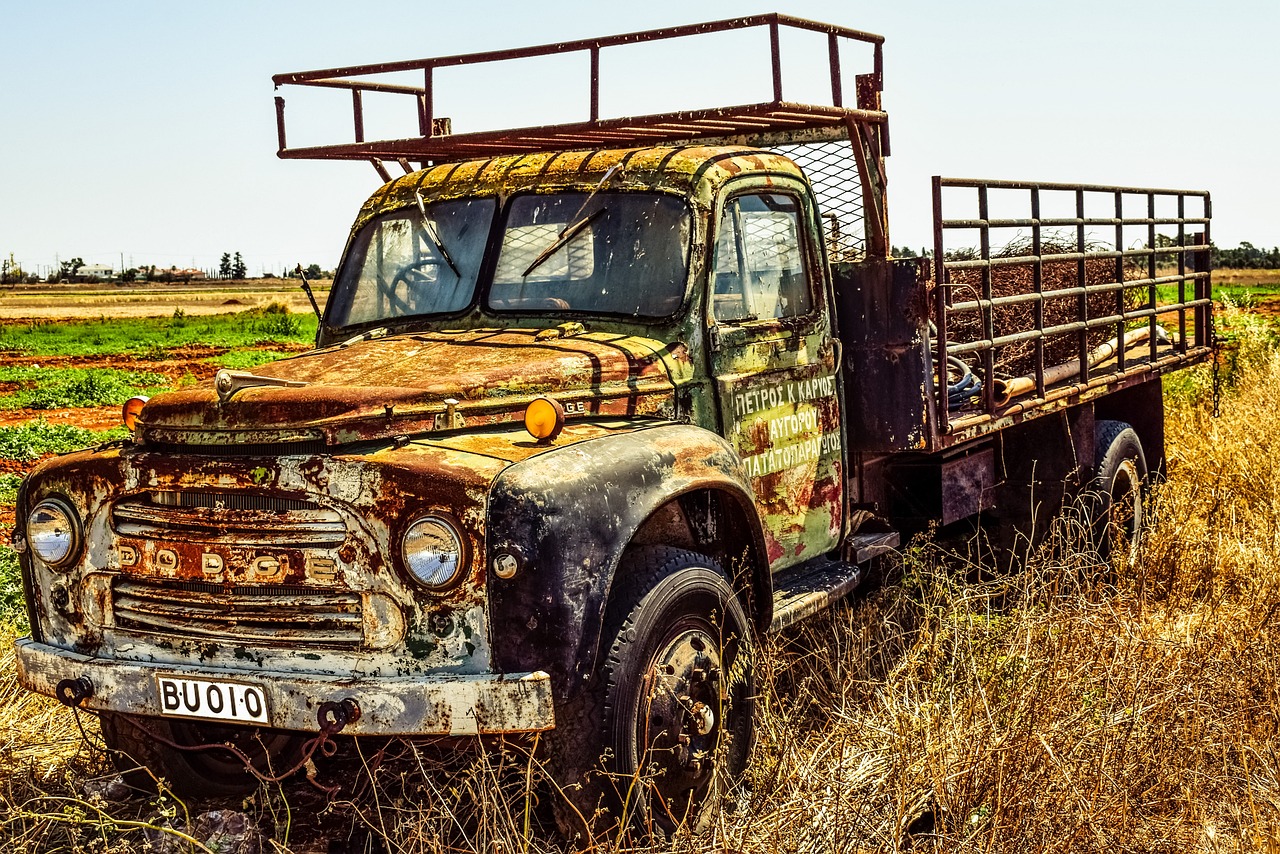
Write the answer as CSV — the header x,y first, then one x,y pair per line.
x,y
832,171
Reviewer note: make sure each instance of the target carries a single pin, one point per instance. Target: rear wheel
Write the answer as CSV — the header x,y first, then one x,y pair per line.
x,y
1119,515
136,747
675,696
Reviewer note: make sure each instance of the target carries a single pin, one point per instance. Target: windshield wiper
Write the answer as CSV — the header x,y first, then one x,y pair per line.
x,y
571,231
367,335
434,236
575,225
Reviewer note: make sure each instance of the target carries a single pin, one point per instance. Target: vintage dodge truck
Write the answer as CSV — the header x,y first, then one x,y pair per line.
x,y
593,407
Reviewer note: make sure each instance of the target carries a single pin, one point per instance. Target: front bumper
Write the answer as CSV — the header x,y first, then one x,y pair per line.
x,y
408,705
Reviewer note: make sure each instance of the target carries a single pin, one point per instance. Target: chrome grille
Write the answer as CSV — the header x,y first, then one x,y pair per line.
x,y
242,518
248,614
231,501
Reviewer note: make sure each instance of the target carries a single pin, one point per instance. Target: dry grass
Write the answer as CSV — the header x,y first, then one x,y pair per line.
x,y
1070,707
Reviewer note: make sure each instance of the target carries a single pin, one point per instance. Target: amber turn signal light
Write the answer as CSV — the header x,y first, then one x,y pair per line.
x,y
132,409
544,419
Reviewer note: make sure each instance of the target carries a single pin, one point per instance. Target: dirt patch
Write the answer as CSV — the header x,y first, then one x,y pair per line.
x,y
16,466
91,418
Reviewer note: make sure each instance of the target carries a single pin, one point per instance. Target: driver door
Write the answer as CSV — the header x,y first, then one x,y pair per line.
x,y
775,367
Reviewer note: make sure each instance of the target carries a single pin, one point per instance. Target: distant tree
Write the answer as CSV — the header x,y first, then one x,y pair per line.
x,y
1247,255
67,269
224,267
314,271
129,275
238,268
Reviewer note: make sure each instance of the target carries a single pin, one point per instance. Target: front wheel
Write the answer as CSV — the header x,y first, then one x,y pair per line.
x,y
676,697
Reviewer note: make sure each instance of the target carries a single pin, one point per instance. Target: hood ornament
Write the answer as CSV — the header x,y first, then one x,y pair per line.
x,y
227,383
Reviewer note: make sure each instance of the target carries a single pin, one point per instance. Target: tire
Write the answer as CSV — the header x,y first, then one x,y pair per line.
x,y
1118,489
141,757
665,726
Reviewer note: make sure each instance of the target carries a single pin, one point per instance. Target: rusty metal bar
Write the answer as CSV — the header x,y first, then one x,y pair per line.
x,y
942,296
1069,222
775,55
993,184
1037,284
280,123
1120,275
381,170
833,60
1082,302
1028,260
310,77
1182,272
744,120
357,112
1064,293
428,102
1151,270
1203,314
1076,326
595,83
988,314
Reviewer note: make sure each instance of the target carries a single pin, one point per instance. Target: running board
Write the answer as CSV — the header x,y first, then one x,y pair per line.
x,y
804,592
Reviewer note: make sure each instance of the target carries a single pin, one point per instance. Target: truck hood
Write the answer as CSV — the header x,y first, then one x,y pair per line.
x,y
422,382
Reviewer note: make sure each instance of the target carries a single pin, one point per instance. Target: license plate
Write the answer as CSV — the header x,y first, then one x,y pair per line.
x,y
211,699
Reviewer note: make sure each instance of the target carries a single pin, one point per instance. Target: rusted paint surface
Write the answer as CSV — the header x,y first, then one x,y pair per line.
x,y
779,400
695,172
569,515
418,705
399,386
151,592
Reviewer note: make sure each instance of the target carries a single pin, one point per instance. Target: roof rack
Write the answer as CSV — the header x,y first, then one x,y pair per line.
x,y
772,122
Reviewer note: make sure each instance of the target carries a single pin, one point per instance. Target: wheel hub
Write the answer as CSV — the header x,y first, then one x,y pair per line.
x,y
681,724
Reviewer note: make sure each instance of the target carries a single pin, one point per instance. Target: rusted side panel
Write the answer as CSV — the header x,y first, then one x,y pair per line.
x,y
568,516
882,316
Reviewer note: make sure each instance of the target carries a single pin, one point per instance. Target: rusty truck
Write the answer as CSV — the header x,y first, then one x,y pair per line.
x,y
593,407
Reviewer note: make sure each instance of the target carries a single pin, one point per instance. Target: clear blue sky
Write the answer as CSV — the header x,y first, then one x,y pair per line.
x,y
146,129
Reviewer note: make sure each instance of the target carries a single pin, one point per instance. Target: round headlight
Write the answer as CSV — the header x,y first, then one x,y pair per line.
x,y
432,550
53,532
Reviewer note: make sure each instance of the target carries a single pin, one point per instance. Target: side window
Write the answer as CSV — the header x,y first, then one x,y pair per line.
x,y
758,271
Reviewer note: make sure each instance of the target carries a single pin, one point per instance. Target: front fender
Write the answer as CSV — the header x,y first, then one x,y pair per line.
x,y
570,514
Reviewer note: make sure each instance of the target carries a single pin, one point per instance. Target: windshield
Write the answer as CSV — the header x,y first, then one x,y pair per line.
x,y
596,253
413,262
600,253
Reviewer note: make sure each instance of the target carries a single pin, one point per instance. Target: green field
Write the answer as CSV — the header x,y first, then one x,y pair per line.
x,y
152,337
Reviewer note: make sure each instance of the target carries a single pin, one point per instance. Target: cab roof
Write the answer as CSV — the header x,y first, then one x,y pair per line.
x,y
694,171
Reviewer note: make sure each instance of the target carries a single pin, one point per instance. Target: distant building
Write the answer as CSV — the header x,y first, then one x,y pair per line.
x,y
95,271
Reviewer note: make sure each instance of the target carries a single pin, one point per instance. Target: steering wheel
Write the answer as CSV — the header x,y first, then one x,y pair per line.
x,y
412,277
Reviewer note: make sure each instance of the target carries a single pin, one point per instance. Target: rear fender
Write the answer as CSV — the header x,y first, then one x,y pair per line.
x,y
569,515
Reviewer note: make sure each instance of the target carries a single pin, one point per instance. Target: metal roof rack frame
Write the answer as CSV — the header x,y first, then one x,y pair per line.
x,y
766,124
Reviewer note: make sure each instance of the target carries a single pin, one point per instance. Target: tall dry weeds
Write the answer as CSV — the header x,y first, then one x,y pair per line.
x,y
1065,708
1070,707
